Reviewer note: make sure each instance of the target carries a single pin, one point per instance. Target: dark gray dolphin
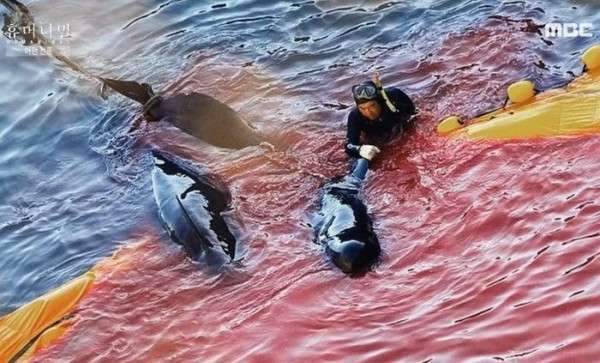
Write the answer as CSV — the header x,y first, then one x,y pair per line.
x,y
193,206
343,224
207,119
197,114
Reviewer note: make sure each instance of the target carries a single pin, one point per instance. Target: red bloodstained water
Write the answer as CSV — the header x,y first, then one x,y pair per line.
x,y
489,246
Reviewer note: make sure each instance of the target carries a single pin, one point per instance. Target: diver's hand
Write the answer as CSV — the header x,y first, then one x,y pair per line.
x,y
368,151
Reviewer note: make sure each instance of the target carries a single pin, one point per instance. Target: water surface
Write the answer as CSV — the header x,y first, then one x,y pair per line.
x,y
489,247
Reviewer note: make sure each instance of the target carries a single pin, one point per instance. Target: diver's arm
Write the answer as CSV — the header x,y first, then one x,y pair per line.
x,y
353,146
353,137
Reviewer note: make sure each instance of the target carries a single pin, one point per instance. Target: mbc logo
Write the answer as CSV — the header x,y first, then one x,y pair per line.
x,y
568,30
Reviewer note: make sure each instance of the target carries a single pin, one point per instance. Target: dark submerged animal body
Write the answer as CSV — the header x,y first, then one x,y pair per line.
x,y
197,114
343,224
206,119
191,205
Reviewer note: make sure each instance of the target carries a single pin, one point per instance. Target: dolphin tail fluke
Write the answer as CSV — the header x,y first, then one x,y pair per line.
x,y
360,168
15,6
138,92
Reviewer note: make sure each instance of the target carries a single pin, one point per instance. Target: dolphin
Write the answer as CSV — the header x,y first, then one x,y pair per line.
x,y
197,114
343,224
207,119
193,206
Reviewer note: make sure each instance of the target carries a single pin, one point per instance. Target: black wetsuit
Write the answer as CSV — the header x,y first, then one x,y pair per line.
x,y
388,123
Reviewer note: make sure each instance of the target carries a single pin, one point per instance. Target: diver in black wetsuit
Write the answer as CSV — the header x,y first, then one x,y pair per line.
x,y
378,116
343,224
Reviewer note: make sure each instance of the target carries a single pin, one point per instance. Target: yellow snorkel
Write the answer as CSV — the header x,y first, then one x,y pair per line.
x,y
389,103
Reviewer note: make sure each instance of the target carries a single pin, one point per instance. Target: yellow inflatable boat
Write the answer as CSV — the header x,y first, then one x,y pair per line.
x,y
569,111
37,324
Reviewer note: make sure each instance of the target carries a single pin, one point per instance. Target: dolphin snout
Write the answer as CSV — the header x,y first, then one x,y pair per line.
x,y
354,256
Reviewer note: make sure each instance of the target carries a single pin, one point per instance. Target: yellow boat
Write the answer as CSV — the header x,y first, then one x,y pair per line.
x,y
569,111
39,323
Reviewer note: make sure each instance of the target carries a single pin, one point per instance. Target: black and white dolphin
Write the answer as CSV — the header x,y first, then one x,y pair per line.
x,y
194,207
343,224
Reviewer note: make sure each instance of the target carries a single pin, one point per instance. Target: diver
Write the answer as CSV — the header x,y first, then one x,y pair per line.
x,y
379,114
